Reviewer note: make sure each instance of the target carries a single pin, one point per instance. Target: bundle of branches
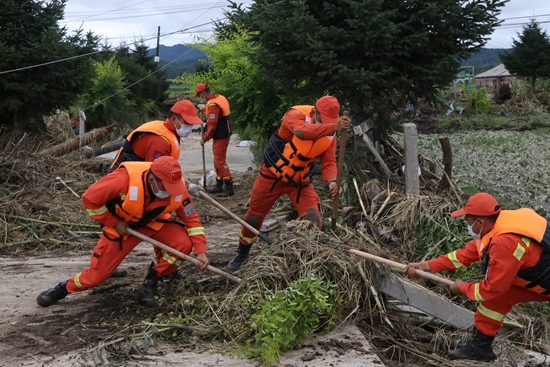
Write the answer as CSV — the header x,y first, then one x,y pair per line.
x,y
40,198
527,103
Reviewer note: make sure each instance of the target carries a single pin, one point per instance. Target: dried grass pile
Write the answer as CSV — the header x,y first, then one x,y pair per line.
x,y
39,204
528,103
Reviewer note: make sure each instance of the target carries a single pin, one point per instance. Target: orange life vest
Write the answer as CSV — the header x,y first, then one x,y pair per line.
x,y
126,153
224,128
130,206
532,227
292,161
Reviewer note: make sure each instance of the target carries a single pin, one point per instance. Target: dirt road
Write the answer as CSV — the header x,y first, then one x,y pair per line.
x,y
66,334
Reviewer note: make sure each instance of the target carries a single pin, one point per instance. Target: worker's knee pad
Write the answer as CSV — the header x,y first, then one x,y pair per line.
x,y
253,220
312,216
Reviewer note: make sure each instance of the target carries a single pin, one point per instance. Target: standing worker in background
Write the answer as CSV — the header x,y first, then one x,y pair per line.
x,y
159,138
219,128
515,265
305,133
141,196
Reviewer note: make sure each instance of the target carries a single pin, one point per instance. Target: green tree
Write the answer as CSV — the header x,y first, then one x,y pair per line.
x,y
106,101
257,101
30,35
371,54
148,88
530,54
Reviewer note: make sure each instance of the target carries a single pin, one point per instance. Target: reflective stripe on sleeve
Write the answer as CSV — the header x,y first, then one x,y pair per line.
x,y
195,231
477,295
452,256
172,260
99,211
519,251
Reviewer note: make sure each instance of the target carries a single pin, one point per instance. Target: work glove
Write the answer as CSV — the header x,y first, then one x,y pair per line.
x,y
194,190
201,107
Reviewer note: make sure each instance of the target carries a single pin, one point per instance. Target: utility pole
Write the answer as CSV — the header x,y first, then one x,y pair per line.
x,y
157,58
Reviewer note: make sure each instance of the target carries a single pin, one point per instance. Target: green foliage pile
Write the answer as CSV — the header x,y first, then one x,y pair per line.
x,y
288,318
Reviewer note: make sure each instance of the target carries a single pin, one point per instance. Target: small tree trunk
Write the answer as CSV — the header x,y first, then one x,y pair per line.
x,y
78,142
533,84
19,124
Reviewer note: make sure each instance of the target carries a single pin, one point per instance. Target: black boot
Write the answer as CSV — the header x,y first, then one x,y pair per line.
x,y
119,273
216,189
227,190
480,348
240,258
149,287
52,295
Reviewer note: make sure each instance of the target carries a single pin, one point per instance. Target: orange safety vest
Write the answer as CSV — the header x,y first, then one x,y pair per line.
x,y
130,206
126,153
292,161
224,128
157,127
527,223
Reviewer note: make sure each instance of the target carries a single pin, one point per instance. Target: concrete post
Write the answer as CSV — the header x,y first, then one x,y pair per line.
x,y
412,184
82,117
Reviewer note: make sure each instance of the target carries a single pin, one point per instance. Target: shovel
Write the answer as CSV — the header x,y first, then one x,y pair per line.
x,y
182,255
233,216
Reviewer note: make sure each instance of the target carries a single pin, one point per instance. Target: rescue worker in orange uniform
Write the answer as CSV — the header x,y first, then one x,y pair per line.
x,y
219,129
141,196
159,138
514,249
306,133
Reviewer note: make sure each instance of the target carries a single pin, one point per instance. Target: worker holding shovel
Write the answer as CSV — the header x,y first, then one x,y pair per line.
x,y
139,196
305,134
514,250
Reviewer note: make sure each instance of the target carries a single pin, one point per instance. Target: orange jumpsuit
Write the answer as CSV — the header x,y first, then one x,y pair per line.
x,y
214,117
304,198
509,253
110,250
152,146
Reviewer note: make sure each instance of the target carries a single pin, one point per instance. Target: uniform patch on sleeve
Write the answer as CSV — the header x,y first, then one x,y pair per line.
x,y
212,116
157,154
187,201
189,209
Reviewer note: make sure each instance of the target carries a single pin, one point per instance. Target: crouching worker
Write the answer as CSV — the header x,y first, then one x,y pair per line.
x,y
512,246
141,196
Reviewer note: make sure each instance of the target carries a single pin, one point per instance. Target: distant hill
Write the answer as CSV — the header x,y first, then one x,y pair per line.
x,y
485,59
185,59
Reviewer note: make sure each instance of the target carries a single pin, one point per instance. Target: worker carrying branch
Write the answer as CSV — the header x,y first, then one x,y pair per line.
x,y
305,134
140,196
514,250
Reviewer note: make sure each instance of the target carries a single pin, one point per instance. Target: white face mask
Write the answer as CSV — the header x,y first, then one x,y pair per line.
x,y
161,194
184,130
472,233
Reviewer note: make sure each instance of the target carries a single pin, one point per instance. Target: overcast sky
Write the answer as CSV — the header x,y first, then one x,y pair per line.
x,y
126,20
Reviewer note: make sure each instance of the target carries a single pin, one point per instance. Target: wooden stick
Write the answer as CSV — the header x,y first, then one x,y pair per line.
x,y
262,236
420,273
182,255
339,174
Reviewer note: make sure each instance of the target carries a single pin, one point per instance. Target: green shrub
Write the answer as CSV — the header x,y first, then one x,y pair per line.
x,y
478,102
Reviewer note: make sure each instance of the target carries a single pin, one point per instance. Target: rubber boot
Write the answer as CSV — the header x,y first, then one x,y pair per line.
x,y
216,189
149,287
480,348
227,190
119,273
52,295
240,258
